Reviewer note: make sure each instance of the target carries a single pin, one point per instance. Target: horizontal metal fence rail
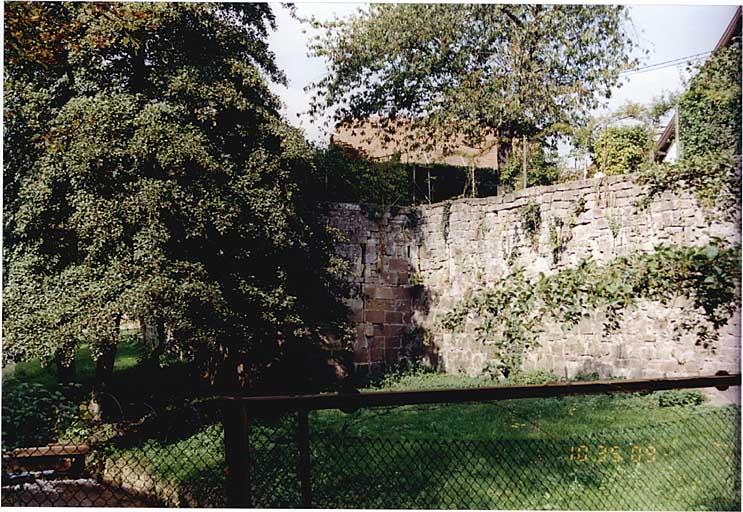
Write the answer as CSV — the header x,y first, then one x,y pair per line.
x,y
353,401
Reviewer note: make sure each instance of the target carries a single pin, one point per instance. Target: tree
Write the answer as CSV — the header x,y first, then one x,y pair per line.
x,y
152,176
622,149
447,72
709,116
710,109
613,145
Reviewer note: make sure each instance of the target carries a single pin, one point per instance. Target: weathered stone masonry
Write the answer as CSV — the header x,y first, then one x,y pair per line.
x,y
484,239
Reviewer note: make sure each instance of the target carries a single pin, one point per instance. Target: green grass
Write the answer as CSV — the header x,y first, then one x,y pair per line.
x,y
508,455
133,381
128,354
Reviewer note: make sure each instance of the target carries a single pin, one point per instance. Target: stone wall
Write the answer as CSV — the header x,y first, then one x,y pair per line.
x,y
450,248
379,246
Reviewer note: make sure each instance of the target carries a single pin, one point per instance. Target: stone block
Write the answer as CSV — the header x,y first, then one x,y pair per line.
x,y
393,317
380,304
374,316
377,350
394,330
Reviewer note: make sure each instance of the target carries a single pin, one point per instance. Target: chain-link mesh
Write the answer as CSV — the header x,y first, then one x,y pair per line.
x,y
274,459
558,453
173,459
689,464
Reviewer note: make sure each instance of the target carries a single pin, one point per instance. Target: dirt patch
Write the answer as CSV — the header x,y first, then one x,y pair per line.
x,y
83,492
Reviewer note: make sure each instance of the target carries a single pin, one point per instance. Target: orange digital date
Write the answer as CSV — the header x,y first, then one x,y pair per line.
x,y
635,454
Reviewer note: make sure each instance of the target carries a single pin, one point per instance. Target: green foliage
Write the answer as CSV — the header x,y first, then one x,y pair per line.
x,y
710,133
579,208
416,279
622,149
622,153
710,110
151,175
713,178
34,415
470,71
615,223
680,398
531,220
445,214
508,319
358,180
542,169
560,234
532,377
508,315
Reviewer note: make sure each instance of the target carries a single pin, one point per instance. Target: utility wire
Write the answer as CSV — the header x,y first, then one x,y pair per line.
x,y
666,64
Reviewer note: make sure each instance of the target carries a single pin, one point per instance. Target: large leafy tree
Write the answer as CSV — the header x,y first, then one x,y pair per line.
x,y
149,174
446,73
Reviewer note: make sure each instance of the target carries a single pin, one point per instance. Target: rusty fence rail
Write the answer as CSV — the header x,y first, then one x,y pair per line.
x,y
240,412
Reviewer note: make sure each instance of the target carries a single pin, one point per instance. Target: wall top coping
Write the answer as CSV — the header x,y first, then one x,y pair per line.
x,y
568,186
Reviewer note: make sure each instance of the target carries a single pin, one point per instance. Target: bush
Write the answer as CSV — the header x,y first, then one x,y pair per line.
x,y
542,169
35,415
533,377
710,117
621,149
678,398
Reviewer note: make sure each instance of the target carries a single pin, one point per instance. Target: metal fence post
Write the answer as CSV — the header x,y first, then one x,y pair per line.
x,y
237,455
303,460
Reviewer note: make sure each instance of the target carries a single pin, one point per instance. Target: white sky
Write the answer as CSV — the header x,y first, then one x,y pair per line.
x,y
667,31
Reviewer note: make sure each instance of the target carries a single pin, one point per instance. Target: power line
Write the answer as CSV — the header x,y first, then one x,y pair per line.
x,y
666,64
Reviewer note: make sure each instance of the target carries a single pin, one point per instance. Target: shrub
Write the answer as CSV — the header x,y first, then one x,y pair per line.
x,y
621,149
542,169
533,377
679,398
34,415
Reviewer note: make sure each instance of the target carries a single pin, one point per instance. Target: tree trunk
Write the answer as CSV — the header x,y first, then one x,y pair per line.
x,y
104,369
104,366
154,340
497,162
65,368
525,158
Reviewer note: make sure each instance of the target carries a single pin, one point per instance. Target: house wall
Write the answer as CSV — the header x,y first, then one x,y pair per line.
x,y
484,240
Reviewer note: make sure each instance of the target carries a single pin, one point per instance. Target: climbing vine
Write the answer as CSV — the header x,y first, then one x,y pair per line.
x,y
531,220
561,232
709,125
445,214
508,315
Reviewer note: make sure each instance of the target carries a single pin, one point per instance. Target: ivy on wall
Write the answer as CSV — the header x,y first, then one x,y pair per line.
x,y
710,134
508,314
531,221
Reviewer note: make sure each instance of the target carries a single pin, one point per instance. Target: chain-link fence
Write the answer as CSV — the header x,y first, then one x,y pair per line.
x,y
620,451
172,458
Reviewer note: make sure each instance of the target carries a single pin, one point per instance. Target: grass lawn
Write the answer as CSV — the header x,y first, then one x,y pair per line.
x,y
133,382
598,452
32,372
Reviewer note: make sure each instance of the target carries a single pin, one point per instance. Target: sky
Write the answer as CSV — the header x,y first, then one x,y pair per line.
x,y
668,32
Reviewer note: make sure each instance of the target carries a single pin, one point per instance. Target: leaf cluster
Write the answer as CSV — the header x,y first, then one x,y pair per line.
x,y
622,149
148,173
509,314
447,73
710,137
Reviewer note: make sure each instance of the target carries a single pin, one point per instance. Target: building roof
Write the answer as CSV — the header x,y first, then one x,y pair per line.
x,y
669,133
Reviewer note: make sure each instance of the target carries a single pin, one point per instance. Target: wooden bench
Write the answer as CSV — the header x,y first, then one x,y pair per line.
x,y
64,459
